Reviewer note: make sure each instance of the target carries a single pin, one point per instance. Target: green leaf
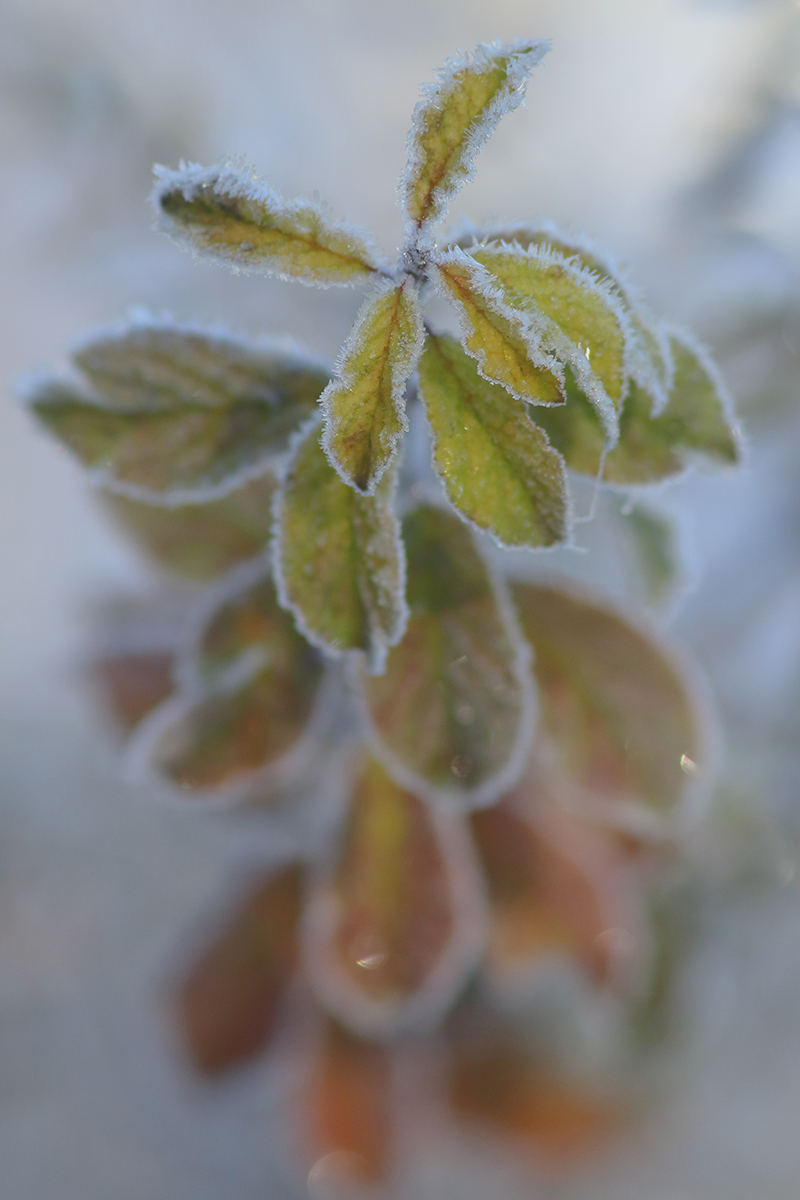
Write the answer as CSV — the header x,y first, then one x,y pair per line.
x,y
229,1001
249,686
456,116
494,334
201,541
364,406
179,416
453,712
695,425
628,739
572,314
497,466
229,215
394,929
339,560
648,356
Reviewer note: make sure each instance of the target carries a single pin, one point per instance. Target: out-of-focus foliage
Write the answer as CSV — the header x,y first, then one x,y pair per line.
x,y
502,764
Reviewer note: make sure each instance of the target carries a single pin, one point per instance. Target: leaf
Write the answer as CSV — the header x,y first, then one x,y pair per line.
x,y
459,112
229,1001
209,413
695,425
247,697
497,466
623,720
201,541
349,1112
338,556
557,888
228,215
453,712
647,346
393,931
134,684
497,337
654,543
364,406
573,315
496,1080
152,365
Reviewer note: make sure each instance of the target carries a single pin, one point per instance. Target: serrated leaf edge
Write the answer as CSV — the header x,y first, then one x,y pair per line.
x,y
190,177
506,101
441,498
489,291
376,657
563,347
402,369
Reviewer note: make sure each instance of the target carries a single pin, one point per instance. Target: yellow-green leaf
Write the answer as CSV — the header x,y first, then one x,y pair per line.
x,y
622,718
249,687
648,354
364,406
394,929
498,467
494,334
573,315
229,215
453,712
339,560
695,426
227,1005
178,417
459,112
201,541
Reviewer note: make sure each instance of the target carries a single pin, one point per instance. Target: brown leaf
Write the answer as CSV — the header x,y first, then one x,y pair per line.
x,y
394,930
228,1003
348,1111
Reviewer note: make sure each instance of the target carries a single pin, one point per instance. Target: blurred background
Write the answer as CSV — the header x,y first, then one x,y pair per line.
x,y
669,130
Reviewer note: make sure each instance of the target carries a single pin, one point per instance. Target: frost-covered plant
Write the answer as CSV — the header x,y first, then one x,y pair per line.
x,y
508,750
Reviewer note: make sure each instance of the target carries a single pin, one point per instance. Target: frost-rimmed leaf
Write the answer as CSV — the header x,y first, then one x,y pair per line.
x,y
149,363
253,700
558,890
230,216
228,1002
497,336
497,467
625,731
347,1112
696,426
212,412
339,562
458,113
648,354
394,929
201,541
452,715
364,405
572,314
